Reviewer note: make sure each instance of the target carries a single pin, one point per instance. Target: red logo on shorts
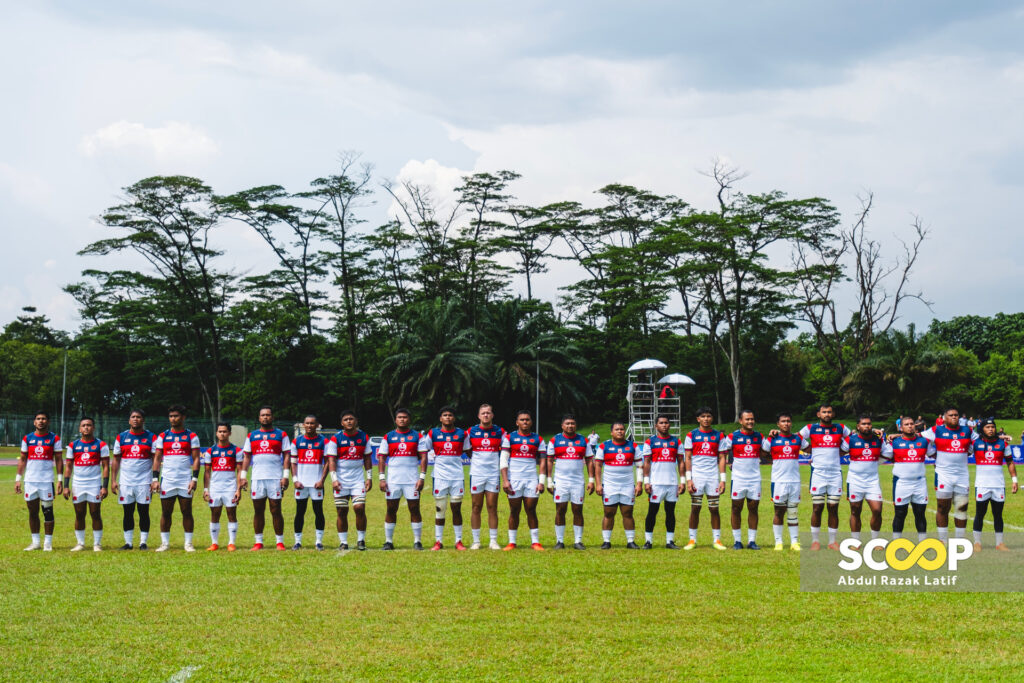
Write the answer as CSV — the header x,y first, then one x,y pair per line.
x,y
942,486
606,500
814,488
734,494
474,488
163,493
436,492
560,498
899,500
776,497
122,498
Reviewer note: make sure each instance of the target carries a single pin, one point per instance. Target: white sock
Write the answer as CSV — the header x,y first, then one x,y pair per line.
x,y
47,540
80,536
534,535
874,534
751,535
97,537
417,531
943,534
361,535
960,532
143,537
476,535
737,535
832,535
343,537
35,538
794,533
512,533
319,536
670,536
693,534
815,534
777,530
258,538
298,537
855,535
977,537
128,536
577,533
214,532
232,532
897,534
188,538
999,537
649,536
921,536
457,528
165,537
438,532
494,534
559,533
630,535
716,534
606,535
389,532
279,538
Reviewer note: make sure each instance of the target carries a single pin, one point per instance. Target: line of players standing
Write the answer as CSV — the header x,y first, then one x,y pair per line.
x,y
520,463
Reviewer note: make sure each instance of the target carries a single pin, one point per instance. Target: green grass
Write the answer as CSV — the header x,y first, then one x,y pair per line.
x,y
608,615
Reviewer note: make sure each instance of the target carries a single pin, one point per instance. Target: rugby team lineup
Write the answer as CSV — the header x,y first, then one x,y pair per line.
x,y
705,464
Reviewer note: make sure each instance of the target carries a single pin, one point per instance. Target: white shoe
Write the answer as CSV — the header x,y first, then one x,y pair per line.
x,y
494,546
97,548
34,546
78,547
163,547
475,546
189,548
47,548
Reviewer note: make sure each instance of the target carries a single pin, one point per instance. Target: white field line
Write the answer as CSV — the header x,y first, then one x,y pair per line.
x,y
183,675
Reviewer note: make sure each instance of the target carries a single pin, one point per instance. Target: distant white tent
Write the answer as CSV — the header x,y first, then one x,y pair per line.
x,y
647,364
676,378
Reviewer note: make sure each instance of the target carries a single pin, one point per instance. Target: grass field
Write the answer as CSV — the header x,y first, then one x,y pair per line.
x,y
601,615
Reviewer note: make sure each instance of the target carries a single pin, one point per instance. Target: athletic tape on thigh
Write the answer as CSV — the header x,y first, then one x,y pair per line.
x,y
440,505
696,499
818,499
456,498
712,502
833,499
792,514
960,503
359,499
341,501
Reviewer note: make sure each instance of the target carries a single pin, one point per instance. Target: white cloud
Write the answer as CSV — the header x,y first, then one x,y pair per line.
x,y
25,186
172,142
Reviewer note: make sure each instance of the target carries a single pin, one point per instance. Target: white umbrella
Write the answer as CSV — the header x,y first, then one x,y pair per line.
x,y
676,378
647,364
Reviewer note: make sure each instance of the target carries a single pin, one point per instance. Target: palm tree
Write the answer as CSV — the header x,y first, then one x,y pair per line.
x,y
436,360
904,369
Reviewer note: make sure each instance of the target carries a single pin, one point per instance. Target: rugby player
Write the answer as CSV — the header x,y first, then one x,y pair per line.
x,y
222,484
41,452
952,442
908,450
267,450
131,466
484,441
614,464
349,457
823,440
447,443
705,476
865,446
175,475
745,445
784,447
568,455
990,452
664,465
308,464
402,462
90,459
520,455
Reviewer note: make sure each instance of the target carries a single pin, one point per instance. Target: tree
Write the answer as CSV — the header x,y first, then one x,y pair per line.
x,y
530,237
34,329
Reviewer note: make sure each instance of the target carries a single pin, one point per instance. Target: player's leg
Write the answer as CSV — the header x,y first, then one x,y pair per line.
x,y
653,506
577,523
980,509
753,520
832,497
476,507
876,517
491,500
80,509
166,515
341,506
960,502
695,505
97,524
277,517
530,505
319,522
778,523
560,509
670,524
300,521
629,526
514,506
920,519
943,503
735,510
187,521
390,519
716,521
607,524
997,523
128,524
359,508
259,508
143,509
415,521
33,519
856,507
899,517
455,495
215,526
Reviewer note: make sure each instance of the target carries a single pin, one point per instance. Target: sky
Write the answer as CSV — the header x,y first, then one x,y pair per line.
x,y
917,102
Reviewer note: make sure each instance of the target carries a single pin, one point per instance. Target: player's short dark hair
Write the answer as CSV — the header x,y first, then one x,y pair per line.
x,y
41,412
568,416
864,416
663,416
907,417
523,411
137,411
177,408
401,411
84,418
265,407
346,413
484,405
311,415
223,424
446,409
784,413
703,410
745,411
947,409
616,424
824,405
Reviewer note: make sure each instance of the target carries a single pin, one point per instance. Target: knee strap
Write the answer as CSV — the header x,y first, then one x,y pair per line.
x,y
341,502
47,506
792,516
712,502
359,499
456,499
960,504
818,499
833,499
440,505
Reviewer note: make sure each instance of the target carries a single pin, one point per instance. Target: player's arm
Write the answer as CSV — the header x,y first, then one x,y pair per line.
x,y
722,461
382,464
286,450
23,463
1010,465
158,457
688,469
550,464
424,453
291,464
638,468
598,469
324,466
115,465
207,467
503,465
104,470
681,469
367,466
243,474
589,460
68,463
196,462
542,470
646,467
